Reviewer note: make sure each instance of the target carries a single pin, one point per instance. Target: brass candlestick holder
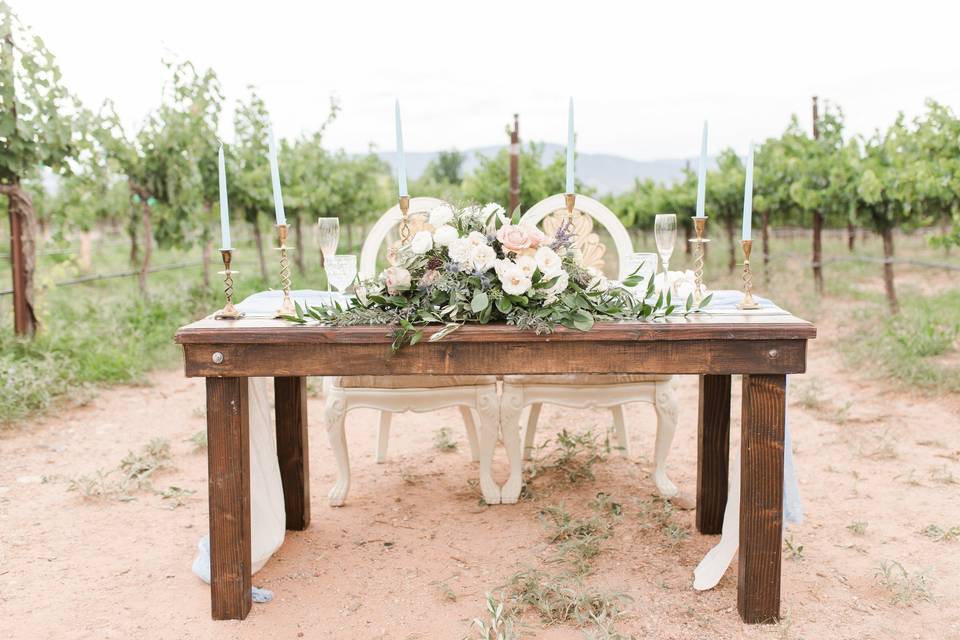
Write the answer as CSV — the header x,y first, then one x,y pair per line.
x,y
229,312
286,307
570,199
405,219
699,226
748,302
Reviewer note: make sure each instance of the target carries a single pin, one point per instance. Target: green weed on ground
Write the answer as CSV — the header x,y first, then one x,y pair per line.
x,y
918,347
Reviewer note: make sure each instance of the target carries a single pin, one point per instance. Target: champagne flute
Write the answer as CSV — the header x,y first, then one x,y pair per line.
x,y
665,232
328,235
341,271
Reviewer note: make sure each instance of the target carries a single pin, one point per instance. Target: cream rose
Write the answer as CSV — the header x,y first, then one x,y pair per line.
x,y
440,215
514,282
422,242
483,257
397,279
514,238
527,264
444,235
548,262
459,250
477,239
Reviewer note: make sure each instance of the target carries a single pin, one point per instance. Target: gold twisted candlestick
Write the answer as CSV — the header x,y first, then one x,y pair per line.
x,y
404,220
229,312
699,226
748,301
286,307
570,199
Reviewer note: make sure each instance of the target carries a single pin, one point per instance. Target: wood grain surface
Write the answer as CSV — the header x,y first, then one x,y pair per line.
x,y
761,497
228,456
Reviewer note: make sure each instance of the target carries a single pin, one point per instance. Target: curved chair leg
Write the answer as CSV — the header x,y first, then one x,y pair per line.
x,y
471,427
620,430
511,404
489,412
383,436
335,413
665,403
530,435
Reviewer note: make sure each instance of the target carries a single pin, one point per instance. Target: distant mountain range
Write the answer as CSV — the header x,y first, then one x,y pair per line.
x,y
604,172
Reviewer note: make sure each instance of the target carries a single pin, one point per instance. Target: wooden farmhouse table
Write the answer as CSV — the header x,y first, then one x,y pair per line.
x,y
764,348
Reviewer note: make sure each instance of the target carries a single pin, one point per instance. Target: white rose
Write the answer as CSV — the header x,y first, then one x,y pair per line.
x,y
598,282
397,279
459,250
483,257
440,215
558,287
527,264
514,282
501,265
477,239
683,283
444,235
548,262
422,242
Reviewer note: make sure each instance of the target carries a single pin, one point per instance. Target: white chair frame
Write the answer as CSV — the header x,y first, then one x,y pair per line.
x,y
518,394
478,404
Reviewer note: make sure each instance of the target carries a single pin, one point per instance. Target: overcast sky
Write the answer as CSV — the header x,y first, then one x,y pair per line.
x,y
643,76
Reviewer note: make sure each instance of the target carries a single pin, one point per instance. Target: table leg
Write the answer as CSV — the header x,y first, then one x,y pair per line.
x,y
228,458
713,452
761,497
290,394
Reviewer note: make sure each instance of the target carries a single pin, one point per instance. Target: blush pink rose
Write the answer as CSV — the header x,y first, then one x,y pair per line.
x,y
397,279
537,237
514,237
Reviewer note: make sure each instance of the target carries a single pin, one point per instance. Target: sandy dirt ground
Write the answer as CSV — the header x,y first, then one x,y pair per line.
x,y
413,553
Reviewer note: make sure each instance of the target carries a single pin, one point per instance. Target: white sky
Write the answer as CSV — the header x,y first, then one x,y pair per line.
x,y
643,76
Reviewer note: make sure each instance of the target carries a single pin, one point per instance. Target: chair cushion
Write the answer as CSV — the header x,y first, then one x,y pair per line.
x,y
585,379
411,381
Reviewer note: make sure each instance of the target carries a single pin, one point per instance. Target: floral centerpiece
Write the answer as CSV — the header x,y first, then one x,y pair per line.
x,y
475,265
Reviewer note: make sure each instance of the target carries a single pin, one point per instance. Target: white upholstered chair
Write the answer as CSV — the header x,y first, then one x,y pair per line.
x,y
476,396
579,390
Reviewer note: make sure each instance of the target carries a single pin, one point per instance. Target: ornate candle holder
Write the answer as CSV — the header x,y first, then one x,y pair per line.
x,y
570,199
748,302
286,307
699,226
229,312
404,220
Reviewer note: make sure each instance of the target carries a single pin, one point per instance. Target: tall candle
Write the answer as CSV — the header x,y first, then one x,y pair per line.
x,y
224,210
702,174
275,177
748,196
401,161
570,149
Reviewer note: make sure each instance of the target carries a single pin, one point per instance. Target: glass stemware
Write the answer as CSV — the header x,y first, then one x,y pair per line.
x,y
328,236
341,271
645,264
665,232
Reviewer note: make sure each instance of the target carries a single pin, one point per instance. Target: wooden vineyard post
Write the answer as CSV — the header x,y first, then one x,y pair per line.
x,y
817,219
21,259
514,165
